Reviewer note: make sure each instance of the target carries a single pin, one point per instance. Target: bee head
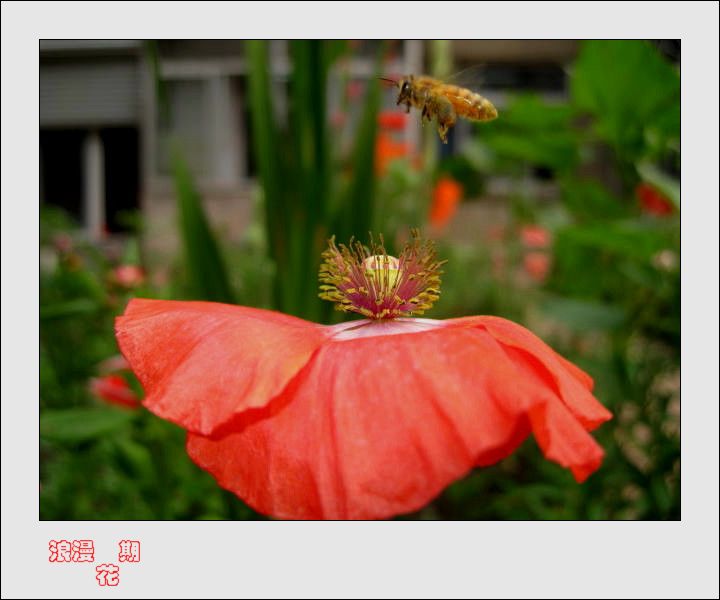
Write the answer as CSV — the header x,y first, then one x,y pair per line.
x,y
405,91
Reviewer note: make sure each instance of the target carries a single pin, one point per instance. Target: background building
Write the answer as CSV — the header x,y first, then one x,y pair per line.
x,y
104,151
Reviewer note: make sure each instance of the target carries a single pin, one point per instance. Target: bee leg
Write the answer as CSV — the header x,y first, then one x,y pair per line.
x,y
446,118
428,111
442,132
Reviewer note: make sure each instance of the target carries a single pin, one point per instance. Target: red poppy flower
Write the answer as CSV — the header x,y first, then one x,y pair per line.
x,y
537,265
534,236
128,276
113,389
446,197
365,419
652,200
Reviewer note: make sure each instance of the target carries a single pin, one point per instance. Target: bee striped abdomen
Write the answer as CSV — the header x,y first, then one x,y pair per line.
x,y
469,104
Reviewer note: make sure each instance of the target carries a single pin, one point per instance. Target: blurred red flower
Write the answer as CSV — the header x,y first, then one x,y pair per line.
x,y
338,119
388,150
113,364
652,201
114,389
534,236
446,197
365,419
354,89
63,243
392,120
128,276
537,265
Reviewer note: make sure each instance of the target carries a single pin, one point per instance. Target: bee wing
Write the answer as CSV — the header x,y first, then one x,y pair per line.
x,y
472,103
471,78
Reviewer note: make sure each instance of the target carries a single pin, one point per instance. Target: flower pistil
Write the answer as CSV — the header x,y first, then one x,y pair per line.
x,y
368,281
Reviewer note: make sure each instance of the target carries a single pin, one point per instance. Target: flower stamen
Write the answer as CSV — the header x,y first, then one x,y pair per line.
x,y
368,281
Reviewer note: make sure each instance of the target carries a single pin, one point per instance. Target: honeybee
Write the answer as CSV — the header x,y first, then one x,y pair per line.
x,y
443,101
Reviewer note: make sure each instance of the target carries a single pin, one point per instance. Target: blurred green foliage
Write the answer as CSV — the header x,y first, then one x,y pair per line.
x,y
632,93
606,295
99,461
206,270
305,202
533,132
611,302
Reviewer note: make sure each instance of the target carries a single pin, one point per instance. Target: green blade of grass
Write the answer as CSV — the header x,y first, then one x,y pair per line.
x,y
360,198
268,154
308,124
207,276
81,424
205,267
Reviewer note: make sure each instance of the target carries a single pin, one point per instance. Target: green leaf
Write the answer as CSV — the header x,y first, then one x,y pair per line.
x,y
359,202
555,150
628,87
631,239
294,168
267,151
206,272
530,113
583,315
205,267
131,253
135,457
152,54
82,424
310,183
535,132
590,200
71,308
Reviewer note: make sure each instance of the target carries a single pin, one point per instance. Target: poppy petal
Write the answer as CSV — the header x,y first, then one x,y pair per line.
x,y
558,431
571,383
201,363
563,440
376,426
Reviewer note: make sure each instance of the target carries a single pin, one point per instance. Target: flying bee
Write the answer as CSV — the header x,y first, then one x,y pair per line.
x,y
443,101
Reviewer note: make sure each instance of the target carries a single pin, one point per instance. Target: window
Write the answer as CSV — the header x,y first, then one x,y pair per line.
x,y
185,125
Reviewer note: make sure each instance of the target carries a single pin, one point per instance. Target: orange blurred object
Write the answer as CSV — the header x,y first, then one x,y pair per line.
x,y
446,197
388,150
